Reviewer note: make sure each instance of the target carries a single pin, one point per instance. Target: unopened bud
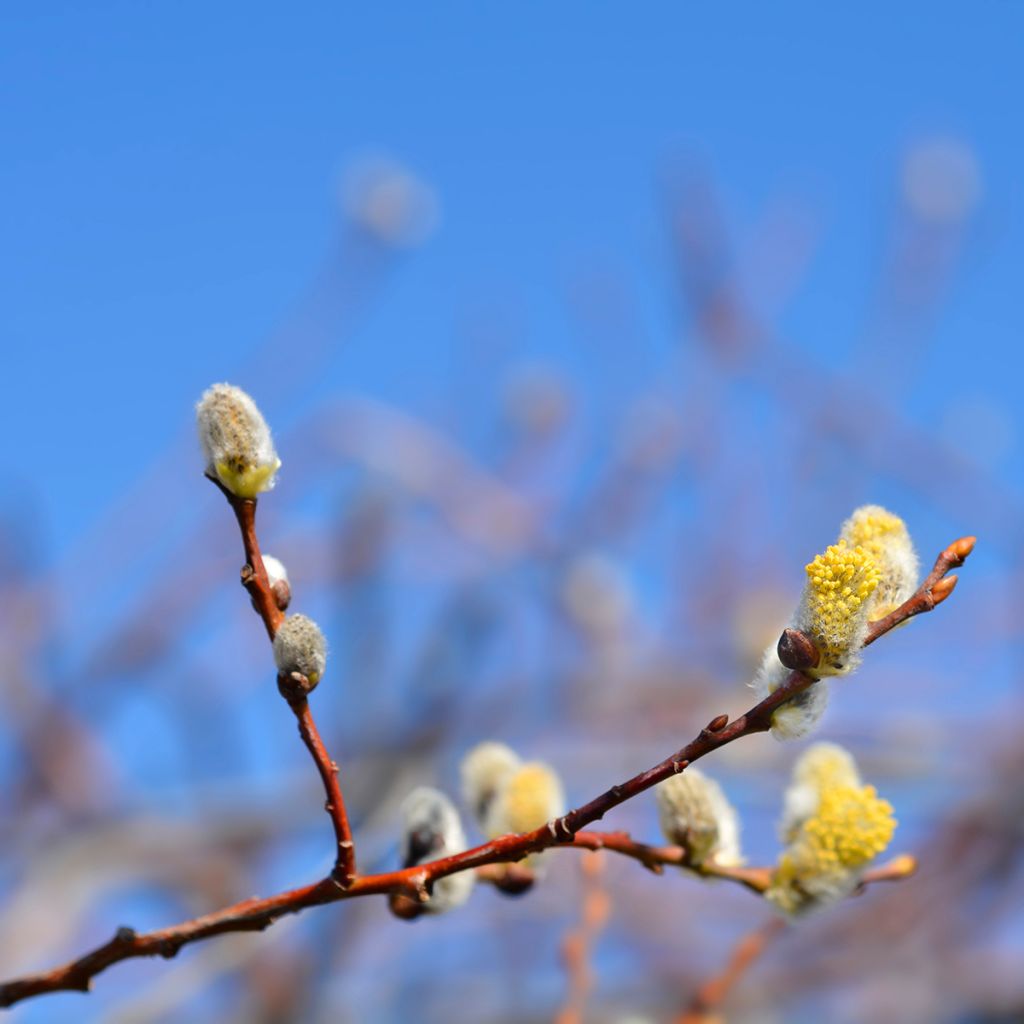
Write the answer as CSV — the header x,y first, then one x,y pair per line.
x,y
236,441
277,576
944,588
796,650
299,649
960,549
514,879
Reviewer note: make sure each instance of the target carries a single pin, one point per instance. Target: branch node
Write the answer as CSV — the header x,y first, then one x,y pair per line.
x,y
294,686
797,650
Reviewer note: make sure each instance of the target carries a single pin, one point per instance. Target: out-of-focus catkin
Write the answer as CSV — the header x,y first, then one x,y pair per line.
x,y
432,829
527,797
834,827
694,813
484,770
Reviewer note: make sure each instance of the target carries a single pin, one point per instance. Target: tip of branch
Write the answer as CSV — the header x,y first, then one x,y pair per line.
x,y
960,549
944,588
904,865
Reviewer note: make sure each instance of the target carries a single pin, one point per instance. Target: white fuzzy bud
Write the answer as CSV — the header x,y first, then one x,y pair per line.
x,y
694,813
277,577
432,829
300,647
236,441
276,572
798,715
483,770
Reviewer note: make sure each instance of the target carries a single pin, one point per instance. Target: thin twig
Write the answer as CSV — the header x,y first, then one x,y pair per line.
x,y
345,861
264,601
707,999
415,882
579,942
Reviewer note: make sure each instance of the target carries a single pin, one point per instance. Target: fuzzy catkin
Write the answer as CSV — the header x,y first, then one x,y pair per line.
x,y
694,813
236,441
432,829
869,572
833,826
299,646
798,715
527,798
884,536
483,770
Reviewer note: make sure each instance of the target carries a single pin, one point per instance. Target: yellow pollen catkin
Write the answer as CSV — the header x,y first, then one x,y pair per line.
x,y
530,797
853,825
825,766
885,538
833,826
839,582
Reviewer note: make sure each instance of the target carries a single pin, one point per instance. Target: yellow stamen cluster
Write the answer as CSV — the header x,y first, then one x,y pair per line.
x,y
853,825
885,538
839,583
871,526
834,827
530,796
824,766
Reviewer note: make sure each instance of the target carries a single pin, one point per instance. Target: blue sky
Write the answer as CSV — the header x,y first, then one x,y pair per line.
x,y
171,178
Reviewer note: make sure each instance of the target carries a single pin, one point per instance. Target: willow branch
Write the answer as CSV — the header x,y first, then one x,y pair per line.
x,y
264,601
567,831
579,943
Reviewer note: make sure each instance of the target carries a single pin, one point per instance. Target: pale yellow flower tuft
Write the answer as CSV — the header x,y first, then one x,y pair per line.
x,y
834,611
528,798
884,536
834,826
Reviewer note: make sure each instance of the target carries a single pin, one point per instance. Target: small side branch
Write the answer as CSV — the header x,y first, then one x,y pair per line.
x,y
709,997
264,601
345,860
